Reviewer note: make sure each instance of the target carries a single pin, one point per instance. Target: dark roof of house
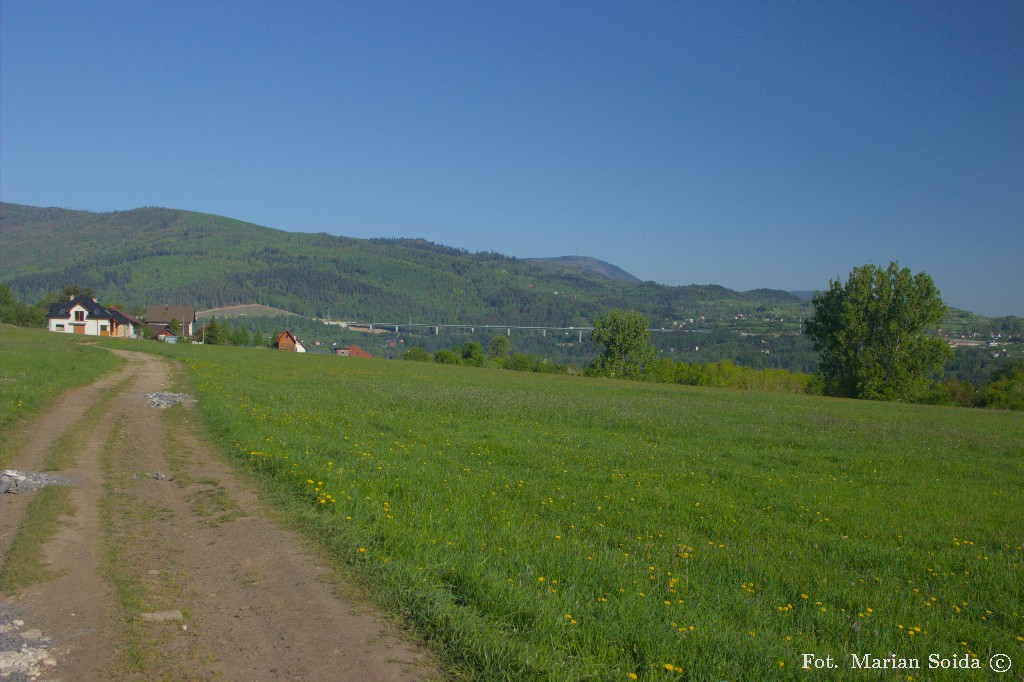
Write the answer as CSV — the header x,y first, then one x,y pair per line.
x,y
166,313
124,318
63,309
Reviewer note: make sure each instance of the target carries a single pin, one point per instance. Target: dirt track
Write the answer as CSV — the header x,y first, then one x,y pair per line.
x,y
255,604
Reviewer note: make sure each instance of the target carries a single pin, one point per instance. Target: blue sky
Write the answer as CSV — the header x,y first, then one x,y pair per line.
x,y
767,144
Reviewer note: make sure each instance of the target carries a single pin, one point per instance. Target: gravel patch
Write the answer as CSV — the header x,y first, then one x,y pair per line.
x,y
162,400
24,652
13,482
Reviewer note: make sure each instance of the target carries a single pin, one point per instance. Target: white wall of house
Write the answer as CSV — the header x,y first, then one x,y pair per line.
x,y
92,327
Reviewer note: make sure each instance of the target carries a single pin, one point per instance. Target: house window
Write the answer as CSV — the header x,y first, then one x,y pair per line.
x,y
59,328
79,316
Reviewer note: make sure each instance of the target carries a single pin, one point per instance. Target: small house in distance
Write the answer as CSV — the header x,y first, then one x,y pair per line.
x,y
286,341
352,352
163,314
83,315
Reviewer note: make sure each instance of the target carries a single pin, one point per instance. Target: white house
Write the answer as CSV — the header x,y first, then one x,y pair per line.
x,y
83,315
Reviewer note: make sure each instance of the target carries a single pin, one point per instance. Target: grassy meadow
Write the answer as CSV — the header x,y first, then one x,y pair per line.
x,y
36,367
550,527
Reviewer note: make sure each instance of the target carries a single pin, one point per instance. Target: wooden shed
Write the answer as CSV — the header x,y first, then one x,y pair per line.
x,y
286,341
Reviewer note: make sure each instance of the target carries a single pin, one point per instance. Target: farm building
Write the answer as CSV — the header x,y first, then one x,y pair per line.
x,y
83,315
352,352
163,314
167,336
286,341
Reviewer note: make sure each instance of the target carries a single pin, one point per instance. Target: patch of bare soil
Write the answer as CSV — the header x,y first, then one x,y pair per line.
x,y
170,568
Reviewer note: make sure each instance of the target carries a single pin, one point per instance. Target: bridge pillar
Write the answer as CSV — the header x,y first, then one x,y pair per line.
x,y
544,332
508,332
581,336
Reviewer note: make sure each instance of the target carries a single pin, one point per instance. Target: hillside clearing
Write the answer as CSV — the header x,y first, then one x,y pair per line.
x,y
246,310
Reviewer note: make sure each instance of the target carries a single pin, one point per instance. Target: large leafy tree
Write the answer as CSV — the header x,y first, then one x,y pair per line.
x,y
623,341
500,348
871,334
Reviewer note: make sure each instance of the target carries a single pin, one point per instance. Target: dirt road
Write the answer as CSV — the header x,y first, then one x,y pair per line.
x,y
169,567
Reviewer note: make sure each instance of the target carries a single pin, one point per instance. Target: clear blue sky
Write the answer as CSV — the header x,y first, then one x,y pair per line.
x,y
754,144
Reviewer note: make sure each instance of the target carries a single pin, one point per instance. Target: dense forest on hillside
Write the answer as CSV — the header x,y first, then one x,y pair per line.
x,y
157,254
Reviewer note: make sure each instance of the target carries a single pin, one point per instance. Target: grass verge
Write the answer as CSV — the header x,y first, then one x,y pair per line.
x,y
23,565
35,368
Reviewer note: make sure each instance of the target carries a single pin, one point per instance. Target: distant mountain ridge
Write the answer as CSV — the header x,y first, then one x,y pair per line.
x,y
182,257
587,264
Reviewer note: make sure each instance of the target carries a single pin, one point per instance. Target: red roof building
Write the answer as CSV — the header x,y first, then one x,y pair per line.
x,y
352,352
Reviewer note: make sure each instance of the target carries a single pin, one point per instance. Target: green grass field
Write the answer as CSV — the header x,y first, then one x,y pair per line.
x,y
548,527
36,367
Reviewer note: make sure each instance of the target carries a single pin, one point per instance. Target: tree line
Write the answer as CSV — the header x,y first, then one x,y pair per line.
x,y
873,333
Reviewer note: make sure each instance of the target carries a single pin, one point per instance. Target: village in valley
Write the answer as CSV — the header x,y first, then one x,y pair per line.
x,y
83,314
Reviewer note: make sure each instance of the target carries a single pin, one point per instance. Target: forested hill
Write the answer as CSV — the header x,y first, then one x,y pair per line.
x,y
186,258
587,264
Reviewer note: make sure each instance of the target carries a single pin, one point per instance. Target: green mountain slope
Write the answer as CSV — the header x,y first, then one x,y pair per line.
x,y
187,258
587,264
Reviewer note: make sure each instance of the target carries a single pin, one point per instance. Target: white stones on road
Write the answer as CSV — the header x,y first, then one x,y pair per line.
x,y
24,654
162,399
13,482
